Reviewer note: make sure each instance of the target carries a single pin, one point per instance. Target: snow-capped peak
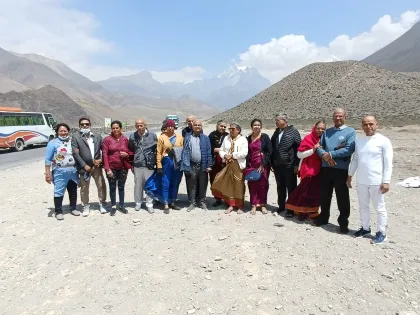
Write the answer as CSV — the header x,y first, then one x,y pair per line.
x,y
234,71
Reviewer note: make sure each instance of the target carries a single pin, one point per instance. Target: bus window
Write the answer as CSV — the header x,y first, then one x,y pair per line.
x,y
47,120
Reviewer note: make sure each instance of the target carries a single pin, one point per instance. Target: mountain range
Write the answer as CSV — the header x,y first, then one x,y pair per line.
x,y
122,97
223,91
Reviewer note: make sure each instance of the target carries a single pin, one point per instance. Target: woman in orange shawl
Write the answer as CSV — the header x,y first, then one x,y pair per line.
x,y
305,199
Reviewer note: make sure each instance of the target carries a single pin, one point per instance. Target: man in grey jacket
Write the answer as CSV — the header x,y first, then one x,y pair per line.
x,y
143,143
88,156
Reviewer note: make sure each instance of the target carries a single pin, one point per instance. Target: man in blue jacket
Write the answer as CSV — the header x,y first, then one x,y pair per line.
x,y
336,149
196,162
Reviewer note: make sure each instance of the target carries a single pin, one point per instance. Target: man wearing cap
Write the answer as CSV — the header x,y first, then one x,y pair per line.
x,y
285,142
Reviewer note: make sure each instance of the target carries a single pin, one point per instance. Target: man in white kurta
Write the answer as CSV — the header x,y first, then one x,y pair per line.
x,y
372,160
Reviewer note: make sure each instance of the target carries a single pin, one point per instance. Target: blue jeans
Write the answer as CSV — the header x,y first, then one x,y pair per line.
x,y
117,180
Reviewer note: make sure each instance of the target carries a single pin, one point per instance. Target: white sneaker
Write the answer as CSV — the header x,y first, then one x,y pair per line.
x,y
102,209
86,211
150,210
138,207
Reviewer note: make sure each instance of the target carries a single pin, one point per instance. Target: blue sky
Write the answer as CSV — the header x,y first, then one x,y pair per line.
x,y
168,35
180,40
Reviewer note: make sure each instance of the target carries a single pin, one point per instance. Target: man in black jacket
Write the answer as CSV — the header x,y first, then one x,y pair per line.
x,y
216,138
88,156
285,142
143,143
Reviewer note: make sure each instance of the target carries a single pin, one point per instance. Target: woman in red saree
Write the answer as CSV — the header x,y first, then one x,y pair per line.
x,y
305,199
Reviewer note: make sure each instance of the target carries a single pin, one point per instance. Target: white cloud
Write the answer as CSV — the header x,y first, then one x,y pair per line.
x,y
282,56
50,29
184,75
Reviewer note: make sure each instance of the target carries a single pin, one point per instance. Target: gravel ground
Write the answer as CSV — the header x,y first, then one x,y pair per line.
x,y
204,262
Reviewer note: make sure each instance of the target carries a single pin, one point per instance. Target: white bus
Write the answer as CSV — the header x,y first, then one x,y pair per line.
x,y
20,129
174,118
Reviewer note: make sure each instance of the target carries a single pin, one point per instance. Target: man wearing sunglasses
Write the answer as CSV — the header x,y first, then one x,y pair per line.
x,y
216,139
88,156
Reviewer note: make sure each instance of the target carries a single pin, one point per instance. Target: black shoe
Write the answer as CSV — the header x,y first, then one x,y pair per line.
x,y
217,203
174,206
302,217
123,209
318,222
362,233
113,211
191,207
280,210
344,230
289,214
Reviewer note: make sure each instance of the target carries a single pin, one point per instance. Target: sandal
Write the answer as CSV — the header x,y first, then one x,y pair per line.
x,y
264,210
229,210
166,210
253,210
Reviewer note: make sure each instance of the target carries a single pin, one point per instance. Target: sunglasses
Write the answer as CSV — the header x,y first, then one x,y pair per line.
x,y
85,124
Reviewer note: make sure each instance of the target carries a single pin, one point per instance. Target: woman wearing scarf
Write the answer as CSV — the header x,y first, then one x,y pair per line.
x,y
258,160
116,154
229,182
64,174
163,185
305,199
216,139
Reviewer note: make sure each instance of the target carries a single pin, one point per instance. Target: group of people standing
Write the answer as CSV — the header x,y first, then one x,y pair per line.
x,y
322,161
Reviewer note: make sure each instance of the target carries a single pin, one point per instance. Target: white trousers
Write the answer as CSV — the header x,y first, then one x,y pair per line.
x,y
367,194
141,174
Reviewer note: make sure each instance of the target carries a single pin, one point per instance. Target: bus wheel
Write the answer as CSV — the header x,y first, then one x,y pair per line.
x,y
19,145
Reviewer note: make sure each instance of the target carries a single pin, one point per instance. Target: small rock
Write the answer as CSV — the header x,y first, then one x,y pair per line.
x,y
279,307
218,258
208,277
191,311
136,220
221,238
262,287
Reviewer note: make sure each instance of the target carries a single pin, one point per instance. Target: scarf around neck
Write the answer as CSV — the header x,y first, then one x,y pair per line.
x,y
311,166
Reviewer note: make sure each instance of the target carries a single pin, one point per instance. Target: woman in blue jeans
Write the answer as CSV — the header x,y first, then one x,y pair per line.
x,y
63,175
115,156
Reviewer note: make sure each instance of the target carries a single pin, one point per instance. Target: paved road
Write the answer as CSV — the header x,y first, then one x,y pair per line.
x,y
10,159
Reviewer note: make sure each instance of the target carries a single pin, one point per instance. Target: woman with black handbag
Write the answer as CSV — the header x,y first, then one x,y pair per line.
x,y
257,168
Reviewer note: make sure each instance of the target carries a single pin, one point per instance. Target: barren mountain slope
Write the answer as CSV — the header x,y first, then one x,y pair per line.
x,y
401,55
46,99
315,90
7,85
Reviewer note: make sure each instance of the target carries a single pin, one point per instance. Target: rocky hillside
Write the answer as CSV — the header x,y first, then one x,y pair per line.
x,y
46,99
315,90
402,55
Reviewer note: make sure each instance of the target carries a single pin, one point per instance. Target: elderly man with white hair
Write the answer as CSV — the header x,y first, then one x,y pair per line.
x,y
285,142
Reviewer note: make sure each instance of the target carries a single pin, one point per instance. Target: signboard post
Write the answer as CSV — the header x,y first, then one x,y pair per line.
x,y
107,122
